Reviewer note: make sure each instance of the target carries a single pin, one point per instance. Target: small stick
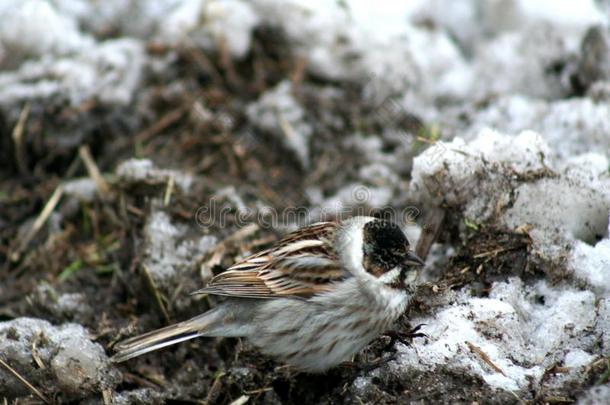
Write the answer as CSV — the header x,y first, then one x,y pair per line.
x,y
241,400
483,356
17,134
94,172
298,72
107,396
430,232
35,355
204,62
242,234
168,119
214,256
169,189
25,382
493,252
214,389
42,217
291,134
227,63
258,391
156,293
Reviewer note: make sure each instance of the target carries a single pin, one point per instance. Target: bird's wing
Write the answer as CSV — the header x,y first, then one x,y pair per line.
x,y
300,265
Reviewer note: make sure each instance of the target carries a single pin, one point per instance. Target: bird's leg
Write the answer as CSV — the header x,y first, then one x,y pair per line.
x,y
405,337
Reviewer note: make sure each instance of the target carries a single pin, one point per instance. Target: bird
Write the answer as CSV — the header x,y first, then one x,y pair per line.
x,y
312,301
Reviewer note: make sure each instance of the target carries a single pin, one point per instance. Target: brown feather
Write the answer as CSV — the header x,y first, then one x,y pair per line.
x,y
300,265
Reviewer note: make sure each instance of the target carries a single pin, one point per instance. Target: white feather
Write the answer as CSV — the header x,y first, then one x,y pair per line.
x,y
349,244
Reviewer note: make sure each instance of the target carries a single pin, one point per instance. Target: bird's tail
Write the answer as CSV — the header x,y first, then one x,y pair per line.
x,y
169,335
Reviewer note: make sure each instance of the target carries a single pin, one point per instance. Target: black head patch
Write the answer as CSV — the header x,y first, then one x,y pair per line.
x,y
385,246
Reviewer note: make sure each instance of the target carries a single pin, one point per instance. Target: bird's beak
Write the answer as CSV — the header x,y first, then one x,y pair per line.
x,y
414,260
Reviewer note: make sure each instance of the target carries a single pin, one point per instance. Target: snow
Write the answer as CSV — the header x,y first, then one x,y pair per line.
x,y
109,72
516,180
522,330
592,264
565,204
277,112
169,250
48,56
144,171
571,127
72,360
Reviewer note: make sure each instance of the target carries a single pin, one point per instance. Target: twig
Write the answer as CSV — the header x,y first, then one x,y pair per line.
x,y
25,382
215,255
168,119
35,355
227,63
291,134
156,293
107,396
214,389
135,379
204,62
94,172
17,134
241,234
168,190
483,356
430,232
493,252
38,223
258,391
426,140
298,72
241,400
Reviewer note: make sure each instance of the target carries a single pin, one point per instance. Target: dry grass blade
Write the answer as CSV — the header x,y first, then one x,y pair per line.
x,y
214,256
169,189
17,135
107,396
42,217
226,62
483,356
156,293
214,389
288,130
94,172
164,122
258,391
25,382
35,355
493,252
242,234
241,400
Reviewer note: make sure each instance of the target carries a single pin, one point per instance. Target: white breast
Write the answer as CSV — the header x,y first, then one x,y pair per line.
x,y
326,330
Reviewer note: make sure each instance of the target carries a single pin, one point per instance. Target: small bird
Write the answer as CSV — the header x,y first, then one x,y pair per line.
x,y
313,300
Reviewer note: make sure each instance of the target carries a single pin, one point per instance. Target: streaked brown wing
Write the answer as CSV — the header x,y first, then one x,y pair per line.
x,y
300,265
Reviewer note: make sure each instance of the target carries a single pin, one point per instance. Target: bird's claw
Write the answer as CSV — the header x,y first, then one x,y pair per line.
x,y
406,338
